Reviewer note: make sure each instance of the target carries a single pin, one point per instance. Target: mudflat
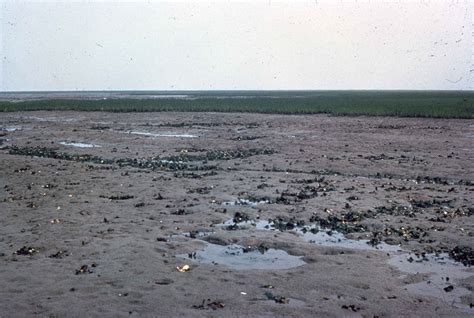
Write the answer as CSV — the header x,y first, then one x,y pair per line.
x,y
274,215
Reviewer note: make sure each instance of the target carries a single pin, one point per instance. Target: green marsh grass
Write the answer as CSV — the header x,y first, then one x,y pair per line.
x,y
437,104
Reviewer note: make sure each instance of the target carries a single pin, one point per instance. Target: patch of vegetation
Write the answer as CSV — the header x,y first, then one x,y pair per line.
x,y
173,163
347,223
440,104
283,223
463,254
396,210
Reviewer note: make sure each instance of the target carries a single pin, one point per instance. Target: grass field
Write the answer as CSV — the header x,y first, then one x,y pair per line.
x,y
439,104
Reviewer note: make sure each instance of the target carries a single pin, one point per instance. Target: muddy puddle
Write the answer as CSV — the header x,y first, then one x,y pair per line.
x,y
316,235
143,133
10,129
443,273
443,276
50,119
79,144
244,258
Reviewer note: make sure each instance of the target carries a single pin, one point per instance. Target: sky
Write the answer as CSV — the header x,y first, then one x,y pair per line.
x,y
231,45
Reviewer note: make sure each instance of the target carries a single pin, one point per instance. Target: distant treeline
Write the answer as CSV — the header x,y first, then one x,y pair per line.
x,y
440,104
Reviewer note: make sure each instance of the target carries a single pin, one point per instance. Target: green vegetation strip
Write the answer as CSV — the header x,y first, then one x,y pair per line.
x,y
439,104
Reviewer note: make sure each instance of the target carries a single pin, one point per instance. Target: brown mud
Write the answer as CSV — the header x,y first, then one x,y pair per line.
x,y
275,215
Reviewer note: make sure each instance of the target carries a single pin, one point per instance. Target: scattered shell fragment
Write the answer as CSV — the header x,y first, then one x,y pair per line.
x,y
183,268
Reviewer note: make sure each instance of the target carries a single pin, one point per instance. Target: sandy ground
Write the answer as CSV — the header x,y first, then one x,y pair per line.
x,y
404,183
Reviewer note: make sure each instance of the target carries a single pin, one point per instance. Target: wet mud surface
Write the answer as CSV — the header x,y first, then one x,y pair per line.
x,y
273,215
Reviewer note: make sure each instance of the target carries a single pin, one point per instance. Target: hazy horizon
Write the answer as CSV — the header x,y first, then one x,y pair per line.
x,y
236,46
234,90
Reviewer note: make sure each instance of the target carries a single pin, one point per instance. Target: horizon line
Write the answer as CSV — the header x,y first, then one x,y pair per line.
x,y
236,90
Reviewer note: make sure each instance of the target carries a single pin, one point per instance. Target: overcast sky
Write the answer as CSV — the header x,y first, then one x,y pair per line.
x,y
157,45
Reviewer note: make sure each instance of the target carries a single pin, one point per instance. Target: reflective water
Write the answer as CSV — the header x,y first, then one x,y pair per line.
x,y
319,236
443,272
170,161
79,144
50,119
10,129
237,257
162,135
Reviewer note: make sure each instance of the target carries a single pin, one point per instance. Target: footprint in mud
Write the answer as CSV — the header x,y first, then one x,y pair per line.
x,y
209,304
164,281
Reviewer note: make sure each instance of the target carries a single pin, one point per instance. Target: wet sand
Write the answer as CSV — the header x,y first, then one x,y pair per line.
x,y
275,215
